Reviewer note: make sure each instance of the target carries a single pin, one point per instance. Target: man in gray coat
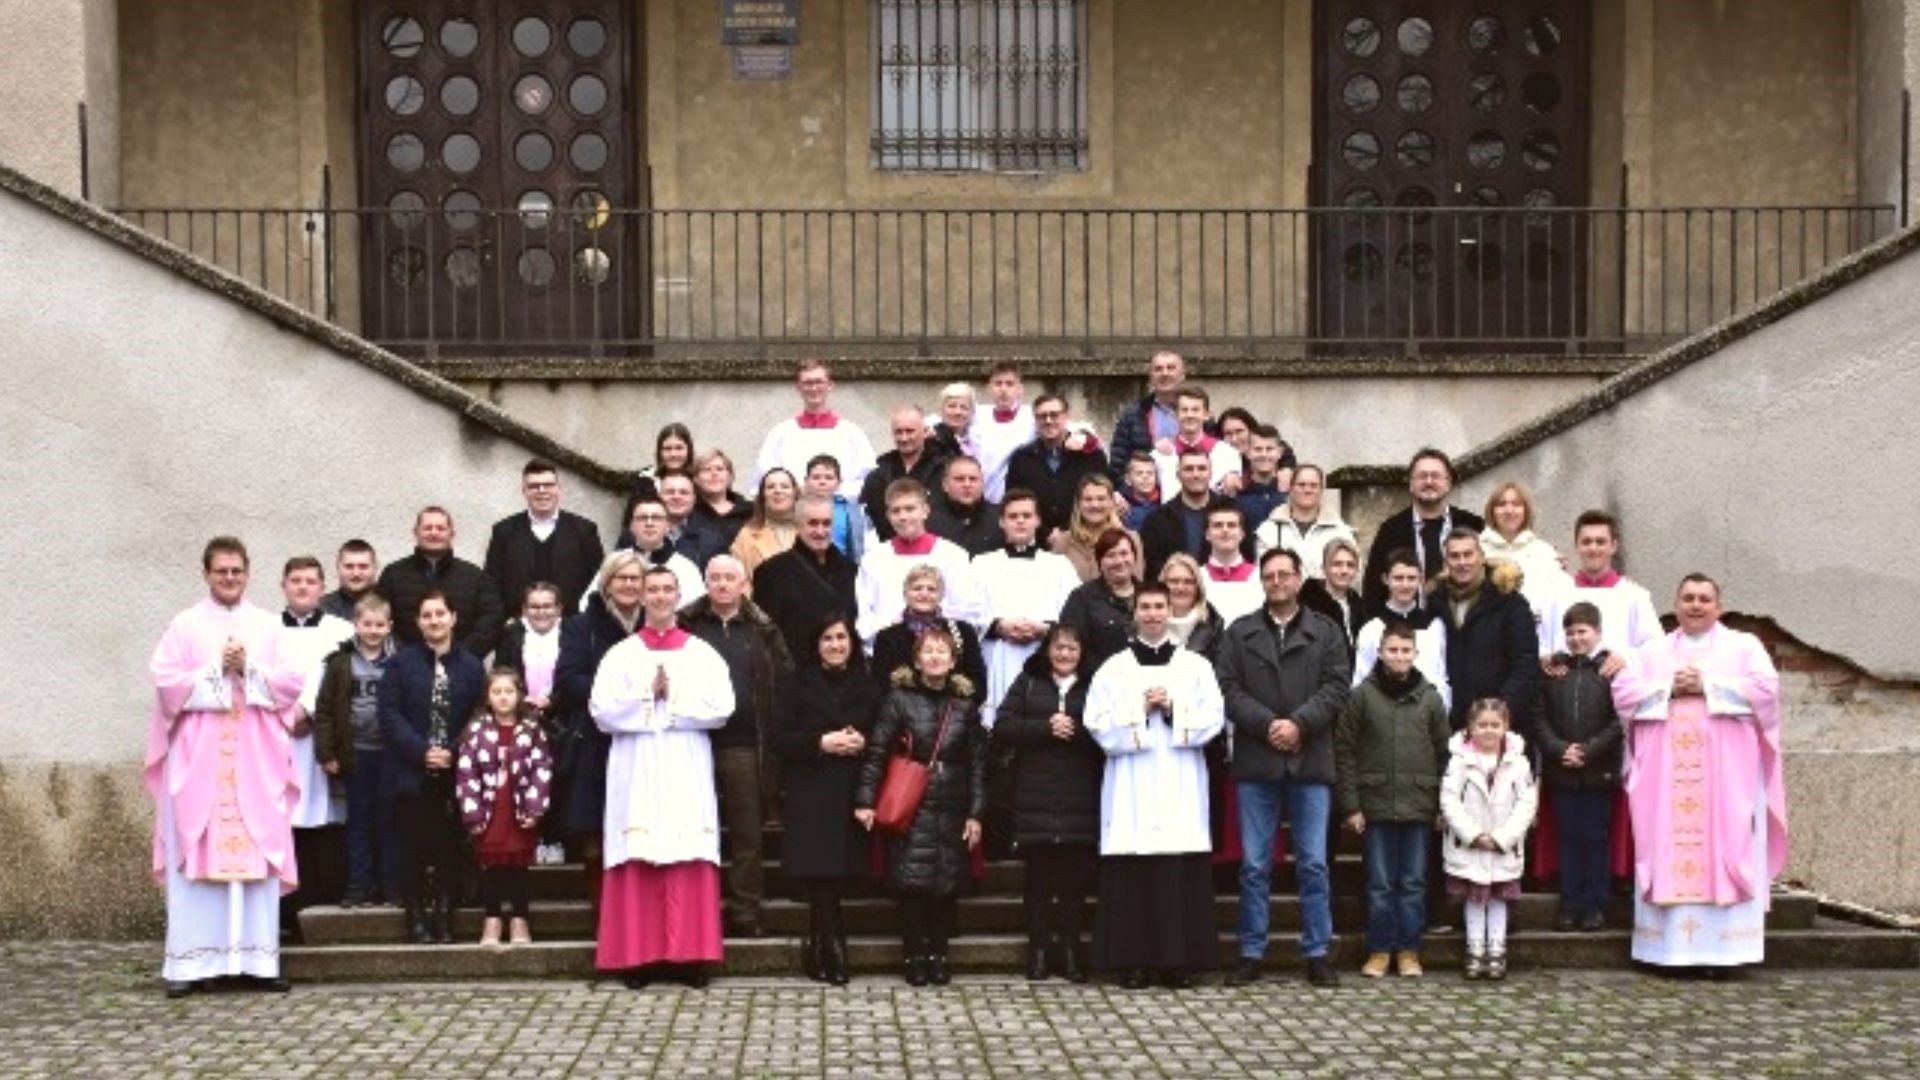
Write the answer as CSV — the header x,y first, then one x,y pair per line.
x,y
1285,675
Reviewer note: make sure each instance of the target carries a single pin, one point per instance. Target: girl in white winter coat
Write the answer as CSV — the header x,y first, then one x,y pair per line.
x,y
1488,799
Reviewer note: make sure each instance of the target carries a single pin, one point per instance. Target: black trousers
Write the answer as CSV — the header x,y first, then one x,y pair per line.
x,y
503,885
825,919
926,922
433,849
1060,877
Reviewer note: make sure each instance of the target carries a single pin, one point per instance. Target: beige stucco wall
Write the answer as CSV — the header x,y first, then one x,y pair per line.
x,y
132,431
1330,421
61,53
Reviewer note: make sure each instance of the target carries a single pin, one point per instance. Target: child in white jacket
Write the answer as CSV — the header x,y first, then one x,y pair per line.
x,y
1488,799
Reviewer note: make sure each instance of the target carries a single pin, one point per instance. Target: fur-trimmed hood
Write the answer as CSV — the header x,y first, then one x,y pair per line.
x,y
905,678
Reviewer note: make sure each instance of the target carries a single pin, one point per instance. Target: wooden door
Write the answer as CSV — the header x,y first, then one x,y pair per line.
x,y
1421,109
497,145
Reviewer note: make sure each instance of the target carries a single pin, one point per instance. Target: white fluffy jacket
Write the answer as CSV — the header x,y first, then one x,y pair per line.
x,y
1501,805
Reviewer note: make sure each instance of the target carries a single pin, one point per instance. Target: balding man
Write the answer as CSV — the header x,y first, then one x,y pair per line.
x,y
913,457
1154,417
758,665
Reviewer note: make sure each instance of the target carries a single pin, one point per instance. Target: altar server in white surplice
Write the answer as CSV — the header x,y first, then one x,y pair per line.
x,y
1022,588
308,636
1003,428
1628,618
658,694
880,587
1153,708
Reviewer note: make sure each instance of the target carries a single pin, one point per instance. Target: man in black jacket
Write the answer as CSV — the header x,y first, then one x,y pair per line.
x,y
911,458
1493,650
470,593
1052,464
1180,523
544,544
1421,528
961,512
801,586
760,668
1285,676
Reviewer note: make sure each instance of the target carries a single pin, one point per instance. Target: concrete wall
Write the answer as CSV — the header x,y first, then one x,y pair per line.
x,y
61,53
130,432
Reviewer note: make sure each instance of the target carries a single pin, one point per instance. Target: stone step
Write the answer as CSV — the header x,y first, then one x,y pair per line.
x,y
1829,944
572,919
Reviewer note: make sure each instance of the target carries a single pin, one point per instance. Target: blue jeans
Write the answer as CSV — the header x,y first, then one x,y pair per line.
x,y
1584,818
373,851
1396,856
1308,805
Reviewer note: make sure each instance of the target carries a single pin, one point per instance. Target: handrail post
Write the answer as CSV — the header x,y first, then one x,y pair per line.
x,y
326,240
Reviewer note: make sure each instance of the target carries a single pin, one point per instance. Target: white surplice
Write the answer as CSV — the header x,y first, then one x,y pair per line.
x,y
1017,588
306,649
1628,619
1430,656
789,446
1153,799
660,797
879,590
996,443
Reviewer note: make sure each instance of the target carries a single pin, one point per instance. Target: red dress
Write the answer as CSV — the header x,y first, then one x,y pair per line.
x,y
505,842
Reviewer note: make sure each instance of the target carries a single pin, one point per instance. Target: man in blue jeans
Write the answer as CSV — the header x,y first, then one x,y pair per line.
x,y
1285,673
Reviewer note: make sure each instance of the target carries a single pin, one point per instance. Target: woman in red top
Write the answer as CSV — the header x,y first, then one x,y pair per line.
x,y
503,779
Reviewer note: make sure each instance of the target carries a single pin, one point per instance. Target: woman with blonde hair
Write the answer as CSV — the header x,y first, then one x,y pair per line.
x,y
1509,537
1095,510
1194,624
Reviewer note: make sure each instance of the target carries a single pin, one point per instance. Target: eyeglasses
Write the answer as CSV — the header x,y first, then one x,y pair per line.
x,y
1050,414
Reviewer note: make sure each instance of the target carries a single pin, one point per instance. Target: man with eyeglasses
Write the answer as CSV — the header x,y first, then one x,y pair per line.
x,y
816,430
1285,675
651,526
1052,464
544,544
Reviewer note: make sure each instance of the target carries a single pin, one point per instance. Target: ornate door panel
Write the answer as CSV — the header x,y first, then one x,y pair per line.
x,y
1423,104
497,137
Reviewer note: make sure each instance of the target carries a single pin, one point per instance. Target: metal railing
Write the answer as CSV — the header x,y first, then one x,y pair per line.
x,y
593,279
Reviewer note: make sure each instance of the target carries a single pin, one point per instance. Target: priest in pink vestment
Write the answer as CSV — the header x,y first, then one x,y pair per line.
x,y
658,694
219,766
1704,787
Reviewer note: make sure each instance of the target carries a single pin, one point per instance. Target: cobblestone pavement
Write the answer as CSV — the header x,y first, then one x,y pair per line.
x,y
96,1010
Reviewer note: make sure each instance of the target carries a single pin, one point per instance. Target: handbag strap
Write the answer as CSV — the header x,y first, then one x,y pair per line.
x,y
946,713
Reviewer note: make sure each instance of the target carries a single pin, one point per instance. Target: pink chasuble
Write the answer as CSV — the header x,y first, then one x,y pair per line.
x,y
219,750
1700,769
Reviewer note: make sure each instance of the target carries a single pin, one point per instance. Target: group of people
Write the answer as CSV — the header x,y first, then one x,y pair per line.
x,y
1123,661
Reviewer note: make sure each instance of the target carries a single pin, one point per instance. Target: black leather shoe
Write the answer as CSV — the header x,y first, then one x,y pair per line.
x,y
1244,972
1177,979
1320,973
938,973
275,985
916,971
177,989
1595,921
695,976
1135,979
1565,923
839,973
1037,967
637,979
811,964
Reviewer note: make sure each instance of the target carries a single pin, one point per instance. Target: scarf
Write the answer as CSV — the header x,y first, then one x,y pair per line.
x,y
1180,627
1395,686
1464,597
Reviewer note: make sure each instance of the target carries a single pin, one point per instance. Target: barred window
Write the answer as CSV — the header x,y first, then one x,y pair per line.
x,y
980,85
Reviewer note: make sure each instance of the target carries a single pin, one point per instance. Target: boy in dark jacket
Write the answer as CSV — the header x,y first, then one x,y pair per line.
x,y
346,740
1390,748
1580,741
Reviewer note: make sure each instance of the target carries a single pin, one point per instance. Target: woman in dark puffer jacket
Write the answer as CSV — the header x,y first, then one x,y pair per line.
x,y
931,712
1056,819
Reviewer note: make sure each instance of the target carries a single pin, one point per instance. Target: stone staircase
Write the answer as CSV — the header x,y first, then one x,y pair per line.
x,y
366,943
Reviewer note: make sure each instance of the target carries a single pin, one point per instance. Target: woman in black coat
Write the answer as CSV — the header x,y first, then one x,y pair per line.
x,y
1102,609
579,746
925,590
820,736
931,713
1056,817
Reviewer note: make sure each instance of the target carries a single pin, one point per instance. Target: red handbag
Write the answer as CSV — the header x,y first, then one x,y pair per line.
x,y
905,783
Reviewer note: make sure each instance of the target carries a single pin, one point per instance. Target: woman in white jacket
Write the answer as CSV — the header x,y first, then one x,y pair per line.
x,y
1487,799
1509,537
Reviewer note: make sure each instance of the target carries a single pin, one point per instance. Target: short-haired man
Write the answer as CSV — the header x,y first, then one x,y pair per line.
x,y
816,430
1270,466
1153,708
218,766
1627,616
961,511
1302,524
650,527
801,586
1493,650
1233,587
1023,586
433,566
1285,675
1193,410
1180,523
760,667
1143,424
698,538
1052,464
912,458
544,544
880,585
307,636
1003,428
1423,527
357,567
